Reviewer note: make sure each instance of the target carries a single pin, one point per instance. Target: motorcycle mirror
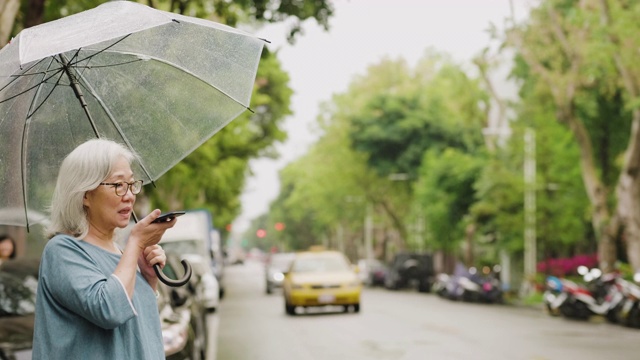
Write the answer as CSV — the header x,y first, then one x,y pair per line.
x,y
583,270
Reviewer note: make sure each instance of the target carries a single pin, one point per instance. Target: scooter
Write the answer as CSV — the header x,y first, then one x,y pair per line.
x,y
484,288
628,311
554,296
573,301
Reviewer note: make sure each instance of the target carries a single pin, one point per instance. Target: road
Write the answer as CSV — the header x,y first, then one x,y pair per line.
x,y
403,325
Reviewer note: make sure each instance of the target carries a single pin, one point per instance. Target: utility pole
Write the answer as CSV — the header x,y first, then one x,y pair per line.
x,y
529,210
340,236
368,233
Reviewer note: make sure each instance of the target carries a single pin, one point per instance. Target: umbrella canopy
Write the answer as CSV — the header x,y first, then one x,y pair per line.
x,y
158,82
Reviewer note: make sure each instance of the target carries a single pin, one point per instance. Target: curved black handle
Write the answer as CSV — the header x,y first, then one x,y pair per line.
x,y
171,282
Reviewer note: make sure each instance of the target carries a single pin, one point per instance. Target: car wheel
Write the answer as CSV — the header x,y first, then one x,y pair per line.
x,y
424,286
269,289
289,309
356,308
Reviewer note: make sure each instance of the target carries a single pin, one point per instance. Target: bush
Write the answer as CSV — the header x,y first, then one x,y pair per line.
x,y
562,267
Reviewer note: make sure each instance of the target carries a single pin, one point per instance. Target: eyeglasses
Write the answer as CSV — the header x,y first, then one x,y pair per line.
x,y
122,187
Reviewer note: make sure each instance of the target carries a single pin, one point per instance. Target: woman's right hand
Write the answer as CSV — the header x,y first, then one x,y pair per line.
x,y
146,233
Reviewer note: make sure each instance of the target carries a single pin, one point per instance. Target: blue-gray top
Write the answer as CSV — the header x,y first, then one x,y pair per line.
x,y
83,311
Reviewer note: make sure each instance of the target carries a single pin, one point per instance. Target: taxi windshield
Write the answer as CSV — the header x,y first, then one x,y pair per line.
x,y
320,264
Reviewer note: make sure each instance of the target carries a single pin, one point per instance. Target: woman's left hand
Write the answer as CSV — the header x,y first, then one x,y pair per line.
x,y
151,255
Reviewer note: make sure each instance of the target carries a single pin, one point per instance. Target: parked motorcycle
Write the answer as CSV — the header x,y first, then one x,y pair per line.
x,y
602,295
628,311
485,287
469,285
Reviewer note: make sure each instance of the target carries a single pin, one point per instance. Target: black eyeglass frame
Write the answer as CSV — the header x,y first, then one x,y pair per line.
x,y
130,185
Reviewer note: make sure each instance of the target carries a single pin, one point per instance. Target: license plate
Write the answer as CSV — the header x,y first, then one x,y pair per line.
x,y
326,298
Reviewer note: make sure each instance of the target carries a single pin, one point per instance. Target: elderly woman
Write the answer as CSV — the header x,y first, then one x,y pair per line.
x,y
95,300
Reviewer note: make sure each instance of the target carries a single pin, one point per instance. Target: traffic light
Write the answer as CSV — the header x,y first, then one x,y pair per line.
x,y
279,226
261,233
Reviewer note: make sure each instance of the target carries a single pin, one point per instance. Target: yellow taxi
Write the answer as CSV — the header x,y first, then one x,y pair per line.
x,y
321,278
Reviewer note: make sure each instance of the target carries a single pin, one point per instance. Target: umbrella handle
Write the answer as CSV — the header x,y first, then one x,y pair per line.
x,y
174,283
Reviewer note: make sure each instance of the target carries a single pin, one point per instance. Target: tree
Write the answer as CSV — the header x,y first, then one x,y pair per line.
x,y
579,56
232,13
434,106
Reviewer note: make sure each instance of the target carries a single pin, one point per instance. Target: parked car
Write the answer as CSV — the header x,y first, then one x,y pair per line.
x,y
277,264
183,318
18,284
190,238
217,259
321,278
372,272
409,269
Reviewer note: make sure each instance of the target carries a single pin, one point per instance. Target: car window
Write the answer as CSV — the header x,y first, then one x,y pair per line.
x,y
182,247
281,262
320,264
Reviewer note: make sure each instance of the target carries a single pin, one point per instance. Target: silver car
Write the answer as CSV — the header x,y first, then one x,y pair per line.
x,y
277,264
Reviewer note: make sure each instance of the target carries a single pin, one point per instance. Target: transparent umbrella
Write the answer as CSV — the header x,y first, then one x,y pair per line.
x,y
158,82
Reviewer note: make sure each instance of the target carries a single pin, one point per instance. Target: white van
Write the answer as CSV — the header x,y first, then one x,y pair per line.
x,y
190,239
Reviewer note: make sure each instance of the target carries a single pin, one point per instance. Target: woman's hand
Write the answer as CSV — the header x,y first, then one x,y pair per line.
x,y
151,256
145,234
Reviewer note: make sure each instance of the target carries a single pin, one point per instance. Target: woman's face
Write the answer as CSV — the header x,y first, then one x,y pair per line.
x,y
107,210
6,249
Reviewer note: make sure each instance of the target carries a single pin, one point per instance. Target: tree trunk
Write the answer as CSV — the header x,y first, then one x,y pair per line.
x,y
604,228
8,11
35,13
628,192
628,187
563,87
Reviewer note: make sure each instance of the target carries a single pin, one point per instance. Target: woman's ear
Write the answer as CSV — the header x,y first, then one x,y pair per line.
x,y
85,200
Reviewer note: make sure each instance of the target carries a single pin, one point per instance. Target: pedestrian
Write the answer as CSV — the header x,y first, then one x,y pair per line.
x,y
94,299
7,248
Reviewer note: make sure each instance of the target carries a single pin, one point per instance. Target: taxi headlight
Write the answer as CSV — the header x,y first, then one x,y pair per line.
x,y
278,276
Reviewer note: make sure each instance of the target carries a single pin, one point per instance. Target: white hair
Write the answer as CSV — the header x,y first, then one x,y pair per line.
x,y
82,170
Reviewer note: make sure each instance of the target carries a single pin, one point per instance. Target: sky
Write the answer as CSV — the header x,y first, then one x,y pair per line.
x,y
362,33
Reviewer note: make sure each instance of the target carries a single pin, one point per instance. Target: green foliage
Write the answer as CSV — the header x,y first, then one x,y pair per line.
x,y
445,191
380,127
435,106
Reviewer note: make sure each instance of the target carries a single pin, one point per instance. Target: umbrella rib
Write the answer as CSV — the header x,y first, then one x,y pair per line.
x,y
16,77
85,84
178,67
32,87
105,66
23,151
48,95
197,77
98,52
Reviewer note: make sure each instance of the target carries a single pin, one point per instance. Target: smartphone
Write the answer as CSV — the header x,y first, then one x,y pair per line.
x,y
168,216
